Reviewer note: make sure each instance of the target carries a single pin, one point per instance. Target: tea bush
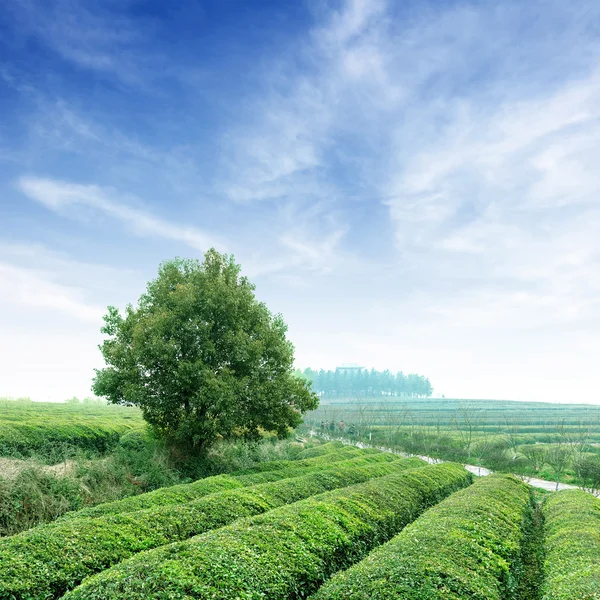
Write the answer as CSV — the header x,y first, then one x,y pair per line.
x,y
285,553
44,562
572,567
468,546
186,492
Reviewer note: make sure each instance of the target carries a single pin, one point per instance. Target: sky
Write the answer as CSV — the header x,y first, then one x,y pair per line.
x,y
414,185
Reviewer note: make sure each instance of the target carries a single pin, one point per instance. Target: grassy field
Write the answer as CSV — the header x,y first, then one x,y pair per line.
x,y
553,441
52,430
489,415
297,520
56,458
333,523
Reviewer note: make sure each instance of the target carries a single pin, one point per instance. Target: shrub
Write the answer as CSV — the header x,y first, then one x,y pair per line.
x,y
187,492
54,431
46,561
285,553
233,455
32,497
572,565
135,441
468,546
322,449
324,457
36,493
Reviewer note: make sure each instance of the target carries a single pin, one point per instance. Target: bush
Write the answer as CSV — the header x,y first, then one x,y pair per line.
x,y
332,453
33,497
322,449
468,546
55,431
177,494
135,441
285,553
572,565
46,561
233,455
37,493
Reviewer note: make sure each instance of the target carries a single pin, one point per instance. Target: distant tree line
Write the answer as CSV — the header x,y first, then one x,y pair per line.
x,y
344,383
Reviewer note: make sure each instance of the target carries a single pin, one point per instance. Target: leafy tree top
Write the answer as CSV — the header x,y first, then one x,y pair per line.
x,y
202,357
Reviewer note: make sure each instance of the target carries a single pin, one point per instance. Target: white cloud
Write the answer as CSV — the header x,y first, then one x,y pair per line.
x,y
85,34
27,288
431,171
50,318
63,197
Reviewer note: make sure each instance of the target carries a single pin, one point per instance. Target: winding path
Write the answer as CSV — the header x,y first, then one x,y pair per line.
x,y
549,486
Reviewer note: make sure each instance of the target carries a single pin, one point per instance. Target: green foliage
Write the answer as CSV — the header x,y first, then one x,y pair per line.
x,y
362,382
35,493
187,492
33,497
46,561
202,357
468,546
56,431
319,450
233,455
572,546
285,553
551,441
587,467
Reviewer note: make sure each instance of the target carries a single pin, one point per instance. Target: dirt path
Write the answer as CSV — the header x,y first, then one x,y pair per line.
x,y
549,486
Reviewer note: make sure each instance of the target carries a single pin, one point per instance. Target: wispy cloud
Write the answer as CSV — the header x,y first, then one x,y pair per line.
x,y
64,197
41,278
31,289
285,147
433,164
90,35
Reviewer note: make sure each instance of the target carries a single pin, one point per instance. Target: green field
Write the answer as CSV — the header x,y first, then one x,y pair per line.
x,y
552,441
308,519
491,415
47,429
335,523
56,458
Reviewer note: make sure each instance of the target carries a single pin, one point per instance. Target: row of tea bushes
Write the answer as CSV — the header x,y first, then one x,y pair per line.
x,y
327,451
187,492
23,440
285,553
46,561
572,566
468,546
325,456
320,449
42,428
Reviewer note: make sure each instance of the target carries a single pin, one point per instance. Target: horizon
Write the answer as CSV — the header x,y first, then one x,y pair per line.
x,y
411,185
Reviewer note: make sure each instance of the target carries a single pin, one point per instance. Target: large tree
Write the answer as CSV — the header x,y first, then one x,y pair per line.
x,y
202,357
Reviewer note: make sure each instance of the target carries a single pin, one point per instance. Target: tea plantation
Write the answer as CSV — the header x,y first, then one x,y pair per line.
x,y
335,523
44,429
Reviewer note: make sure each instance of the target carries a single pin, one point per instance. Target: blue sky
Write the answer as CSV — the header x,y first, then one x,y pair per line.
x,y
414,185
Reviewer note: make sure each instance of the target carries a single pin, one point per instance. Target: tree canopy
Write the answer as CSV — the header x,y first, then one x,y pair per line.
x,y
362,382
202,357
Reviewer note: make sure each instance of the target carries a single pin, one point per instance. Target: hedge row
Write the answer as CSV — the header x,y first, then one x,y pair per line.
x,y
465,547
28,428
572,527
23,440
187,492
325,456
285,553
47,560
321,449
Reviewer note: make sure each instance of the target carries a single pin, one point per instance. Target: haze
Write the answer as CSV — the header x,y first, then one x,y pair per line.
x,y
414,185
